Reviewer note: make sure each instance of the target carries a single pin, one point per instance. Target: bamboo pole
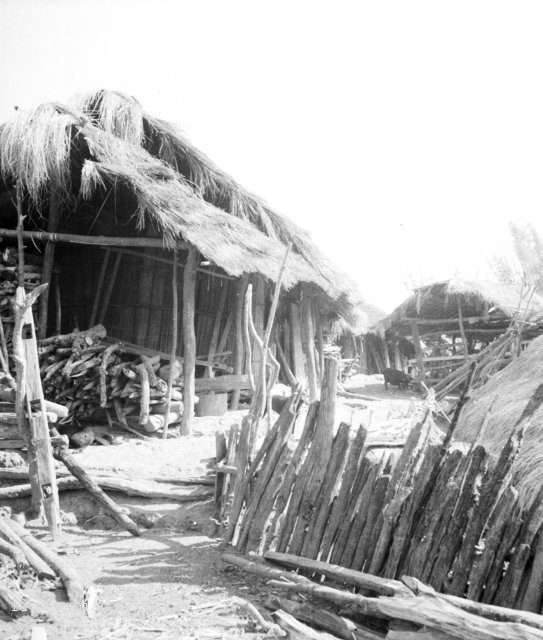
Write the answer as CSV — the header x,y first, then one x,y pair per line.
x,y
175,313
189,339
108,241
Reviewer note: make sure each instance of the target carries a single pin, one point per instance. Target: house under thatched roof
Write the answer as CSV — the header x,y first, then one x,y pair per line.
x,y
103,172
444,322
481,303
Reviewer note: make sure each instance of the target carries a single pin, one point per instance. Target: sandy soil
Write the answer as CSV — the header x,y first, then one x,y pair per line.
x,y
170,582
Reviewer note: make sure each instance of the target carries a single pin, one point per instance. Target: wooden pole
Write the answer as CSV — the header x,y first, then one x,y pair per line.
x,y
308,344
48,261
96,491
175,314
216,329
238,345
397,355
418,350
462,331
107,241
189,339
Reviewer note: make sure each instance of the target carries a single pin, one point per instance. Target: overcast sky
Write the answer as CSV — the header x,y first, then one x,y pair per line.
x,y
404,135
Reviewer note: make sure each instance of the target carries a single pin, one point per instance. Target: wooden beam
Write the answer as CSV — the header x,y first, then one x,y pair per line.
x,y
189,339
222,383
71,238
433,321
173,351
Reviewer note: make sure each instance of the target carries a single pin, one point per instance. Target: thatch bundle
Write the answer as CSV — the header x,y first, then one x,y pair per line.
x,y
507,393
104,142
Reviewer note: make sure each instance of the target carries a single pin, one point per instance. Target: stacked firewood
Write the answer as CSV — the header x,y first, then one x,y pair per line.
x,y
87,373
343,603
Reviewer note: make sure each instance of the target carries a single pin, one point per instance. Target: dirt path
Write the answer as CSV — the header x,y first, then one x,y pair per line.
x,y
167,584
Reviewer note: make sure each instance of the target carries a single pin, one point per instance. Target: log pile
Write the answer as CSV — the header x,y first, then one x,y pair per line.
x,y
450,518
86,373
21,555
343,603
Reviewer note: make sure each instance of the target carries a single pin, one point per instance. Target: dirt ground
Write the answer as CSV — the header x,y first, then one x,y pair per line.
x,y
169,583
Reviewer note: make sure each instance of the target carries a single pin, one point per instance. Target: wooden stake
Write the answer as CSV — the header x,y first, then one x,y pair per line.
x,y
109,290
189,339
173,351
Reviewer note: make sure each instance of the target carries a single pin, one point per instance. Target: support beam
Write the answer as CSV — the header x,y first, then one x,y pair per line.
x,y
189,339
71,238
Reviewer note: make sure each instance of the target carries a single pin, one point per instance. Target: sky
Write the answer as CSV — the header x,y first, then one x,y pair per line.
x,y
405,136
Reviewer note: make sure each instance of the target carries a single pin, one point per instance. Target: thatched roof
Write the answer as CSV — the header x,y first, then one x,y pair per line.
x,y
494,302
509,391
105,141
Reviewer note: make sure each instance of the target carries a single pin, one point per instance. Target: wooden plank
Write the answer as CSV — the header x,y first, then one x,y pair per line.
x,y
418,350
222,383
98,292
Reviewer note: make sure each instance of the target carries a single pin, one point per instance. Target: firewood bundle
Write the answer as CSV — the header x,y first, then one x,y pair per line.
x,y
86,373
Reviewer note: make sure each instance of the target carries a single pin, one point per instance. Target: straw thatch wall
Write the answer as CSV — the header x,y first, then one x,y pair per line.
x,y
507,393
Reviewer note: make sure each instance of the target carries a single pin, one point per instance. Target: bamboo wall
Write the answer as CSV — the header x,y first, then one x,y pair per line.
x,y
132,297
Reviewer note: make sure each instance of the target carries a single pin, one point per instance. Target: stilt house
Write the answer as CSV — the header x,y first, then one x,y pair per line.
x,y
437,328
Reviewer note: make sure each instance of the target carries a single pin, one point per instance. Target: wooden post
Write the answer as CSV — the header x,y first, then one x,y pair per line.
x,y
363,355
298,358
48,261
189,339
238,345
461,325
308,344
418,350
175,313
397,354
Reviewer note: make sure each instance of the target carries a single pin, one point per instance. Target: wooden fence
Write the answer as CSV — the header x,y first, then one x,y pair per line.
x,y
447,516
